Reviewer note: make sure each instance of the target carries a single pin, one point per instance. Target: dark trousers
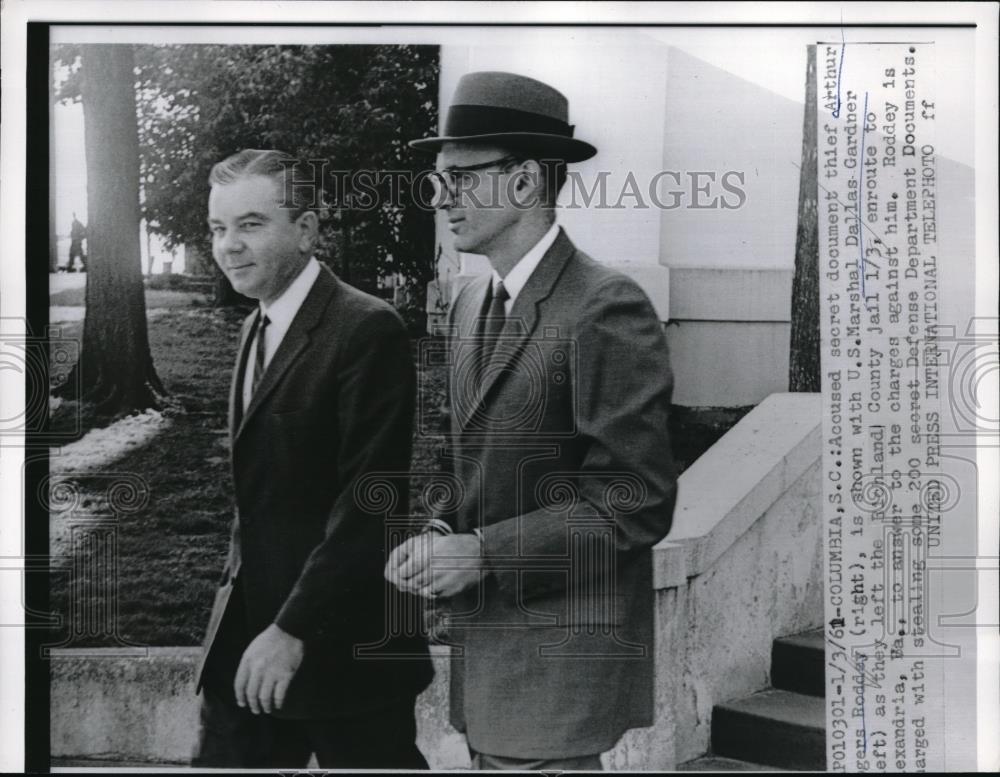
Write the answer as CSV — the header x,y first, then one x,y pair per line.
x,y
579,763
75,250
234,737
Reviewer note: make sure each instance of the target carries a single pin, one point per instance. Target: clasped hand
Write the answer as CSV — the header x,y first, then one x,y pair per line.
x,y
432,565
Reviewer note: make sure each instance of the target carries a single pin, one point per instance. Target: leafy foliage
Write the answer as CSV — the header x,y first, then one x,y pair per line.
x,y
353,106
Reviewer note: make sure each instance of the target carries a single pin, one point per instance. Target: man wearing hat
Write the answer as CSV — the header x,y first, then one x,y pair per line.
x,y
558,395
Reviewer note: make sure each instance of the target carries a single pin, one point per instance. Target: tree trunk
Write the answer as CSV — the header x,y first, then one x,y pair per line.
x,y
195,262
115,367
149,254
804,361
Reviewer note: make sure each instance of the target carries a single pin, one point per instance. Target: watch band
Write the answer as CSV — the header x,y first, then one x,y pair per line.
x,y
438,526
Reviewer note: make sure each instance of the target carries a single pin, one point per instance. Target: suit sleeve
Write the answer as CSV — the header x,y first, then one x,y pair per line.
x,y
375,404
622,391
446,462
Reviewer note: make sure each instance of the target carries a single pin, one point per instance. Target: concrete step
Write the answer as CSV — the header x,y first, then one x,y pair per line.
x,y
798,663
716,763
774,728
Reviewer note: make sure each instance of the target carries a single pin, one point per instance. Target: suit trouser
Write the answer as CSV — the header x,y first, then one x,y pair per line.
x,y
580,763
232,736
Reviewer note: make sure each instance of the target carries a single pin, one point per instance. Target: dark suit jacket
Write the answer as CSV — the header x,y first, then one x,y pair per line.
x,y
335,405
565,464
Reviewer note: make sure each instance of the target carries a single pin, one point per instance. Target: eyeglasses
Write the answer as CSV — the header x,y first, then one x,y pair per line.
x,y
451,180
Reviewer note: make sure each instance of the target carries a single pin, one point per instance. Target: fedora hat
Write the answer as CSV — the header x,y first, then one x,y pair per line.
x,y
513,112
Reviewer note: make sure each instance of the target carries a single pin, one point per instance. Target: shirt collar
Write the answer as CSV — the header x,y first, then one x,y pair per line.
x,y
281,312
519,274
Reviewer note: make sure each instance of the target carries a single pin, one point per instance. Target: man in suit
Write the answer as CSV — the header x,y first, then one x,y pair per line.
x,y
296,660
557,409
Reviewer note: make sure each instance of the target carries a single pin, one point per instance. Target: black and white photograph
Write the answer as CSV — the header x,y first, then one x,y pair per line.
x,y
499,386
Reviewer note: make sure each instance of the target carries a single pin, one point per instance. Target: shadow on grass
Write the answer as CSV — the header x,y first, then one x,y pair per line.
x,y
172,291
164,559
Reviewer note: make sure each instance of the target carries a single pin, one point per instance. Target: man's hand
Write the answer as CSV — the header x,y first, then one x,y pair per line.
x,y
433,565
409,552
268,665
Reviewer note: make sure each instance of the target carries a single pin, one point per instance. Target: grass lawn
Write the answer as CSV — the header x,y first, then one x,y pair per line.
x,y
170,551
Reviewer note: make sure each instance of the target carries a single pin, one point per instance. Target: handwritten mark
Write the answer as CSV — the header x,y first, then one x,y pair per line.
x,y
861,169
840,69
864,727
870,680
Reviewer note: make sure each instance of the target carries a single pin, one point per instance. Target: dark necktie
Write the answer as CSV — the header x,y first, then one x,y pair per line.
x,y
258,366
496,315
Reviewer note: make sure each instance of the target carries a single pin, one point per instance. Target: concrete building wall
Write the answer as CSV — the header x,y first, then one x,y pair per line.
x,y
729,334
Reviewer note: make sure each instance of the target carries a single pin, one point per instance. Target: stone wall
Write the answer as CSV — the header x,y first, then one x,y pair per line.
x,y
741,566
140,707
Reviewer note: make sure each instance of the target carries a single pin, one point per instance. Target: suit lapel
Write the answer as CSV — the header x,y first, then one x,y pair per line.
x,y
467,320
524,315
239,371
294,341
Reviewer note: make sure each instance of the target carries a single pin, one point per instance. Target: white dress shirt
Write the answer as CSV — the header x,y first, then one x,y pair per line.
x,y
519,274
280,313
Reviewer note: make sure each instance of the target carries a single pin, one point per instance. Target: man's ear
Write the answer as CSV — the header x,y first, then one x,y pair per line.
x,y
527,184
308,225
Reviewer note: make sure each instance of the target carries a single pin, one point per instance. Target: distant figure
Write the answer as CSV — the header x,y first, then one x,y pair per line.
x,y
77,234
